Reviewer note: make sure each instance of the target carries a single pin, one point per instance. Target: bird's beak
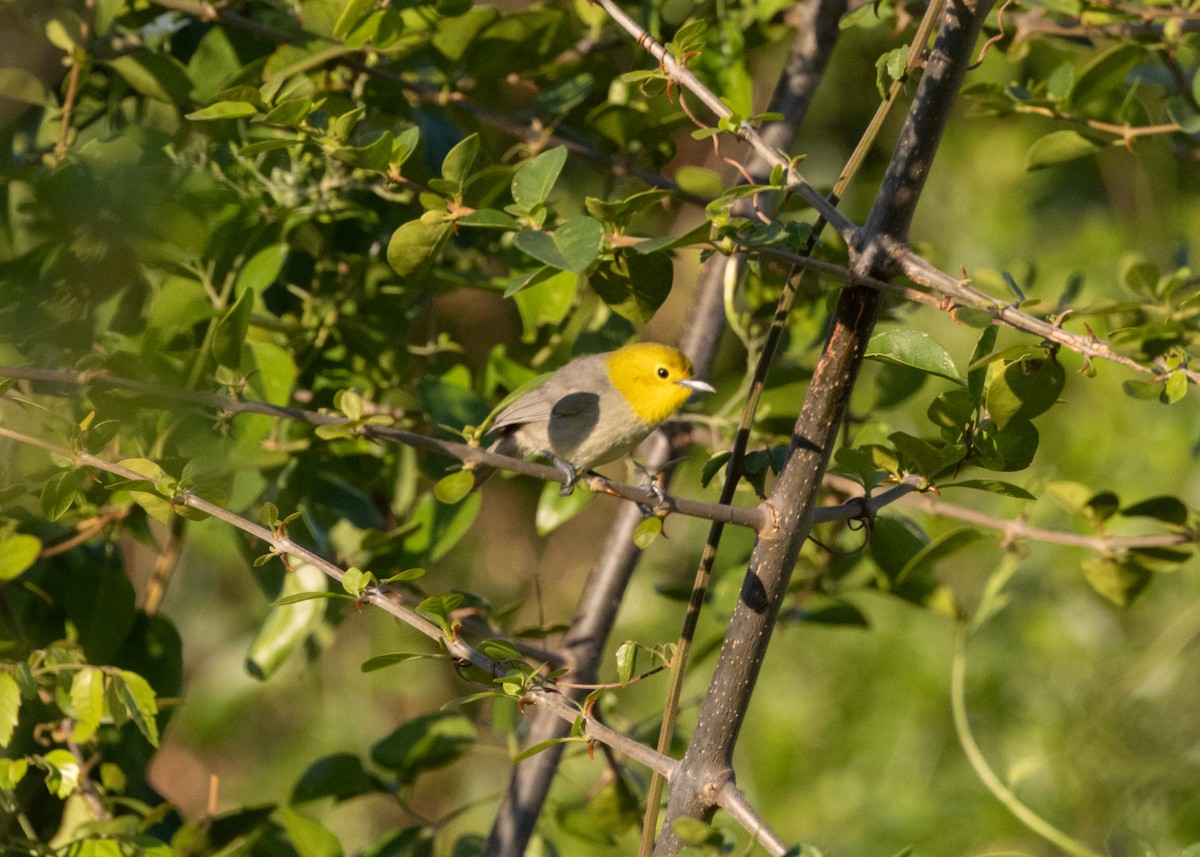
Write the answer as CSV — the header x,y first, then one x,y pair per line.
x,y
697,385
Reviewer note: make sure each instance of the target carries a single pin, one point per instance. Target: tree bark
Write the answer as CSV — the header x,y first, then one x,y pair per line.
x,y
707,764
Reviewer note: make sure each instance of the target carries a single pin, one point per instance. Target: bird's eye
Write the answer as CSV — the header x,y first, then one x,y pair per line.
x,y
663,373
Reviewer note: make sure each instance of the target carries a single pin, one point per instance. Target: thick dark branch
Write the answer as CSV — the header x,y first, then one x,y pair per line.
x,y
707,765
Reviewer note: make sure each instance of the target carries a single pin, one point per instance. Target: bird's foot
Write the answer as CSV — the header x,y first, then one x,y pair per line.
x,y
567,469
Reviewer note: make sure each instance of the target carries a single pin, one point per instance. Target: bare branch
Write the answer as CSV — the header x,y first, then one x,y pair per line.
x,y
754,518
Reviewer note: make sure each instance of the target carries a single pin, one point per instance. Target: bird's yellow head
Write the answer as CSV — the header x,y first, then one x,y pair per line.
x,y
654,379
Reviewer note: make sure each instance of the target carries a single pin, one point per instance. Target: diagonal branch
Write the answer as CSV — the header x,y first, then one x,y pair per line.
x,y
543,696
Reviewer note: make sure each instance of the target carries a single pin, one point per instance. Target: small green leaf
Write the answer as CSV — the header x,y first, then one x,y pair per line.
x,y
22,85
155,75
414,247
453,488
231,329
294,616
407,574
87,699
1169,510
937,550
992,486
381,661
457,164
716,462
627,654
424,743
10,706
647,531
58,494
488,218
62,773
12,771
1106,73
356,581
634,285
155,504
1175,387
554,510
18,553
913,348
1119,582
263,269
533,181
223,110
99,435
579,240
352,13
140,702
1058,147
1023,389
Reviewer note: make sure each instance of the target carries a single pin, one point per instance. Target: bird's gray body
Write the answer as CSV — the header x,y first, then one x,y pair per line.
x,y
575,427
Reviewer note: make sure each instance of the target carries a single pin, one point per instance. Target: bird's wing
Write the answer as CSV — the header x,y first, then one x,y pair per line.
x,y
532,407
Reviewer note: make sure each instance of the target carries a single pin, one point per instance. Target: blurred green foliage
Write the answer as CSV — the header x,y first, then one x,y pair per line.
x,y
359,208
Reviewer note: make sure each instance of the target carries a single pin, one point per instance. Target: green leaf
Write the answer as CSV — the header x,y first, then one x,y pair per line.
x,y
457,164
822,610
139,700
488,218
1023,390
532,750
87,700
1169,510
306,835
424,743
18,553
1175,387
627,654
99,435
10,706
647,531
453,488
62,773
937,550
381,661
415,245
634,285
262,269
572,247
533,180
58,494
154,75
953,409
12,771
915,349
929,459
554,510
155,504
340,776
223,110
1119,582
992,486
231,329
1058,147
22,85
1007,450
289,624
1106,74
978,376
352,13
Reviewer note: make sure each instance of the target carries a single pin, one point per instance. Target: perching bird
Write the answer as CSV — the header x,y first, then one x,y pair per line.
x,y
596,408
